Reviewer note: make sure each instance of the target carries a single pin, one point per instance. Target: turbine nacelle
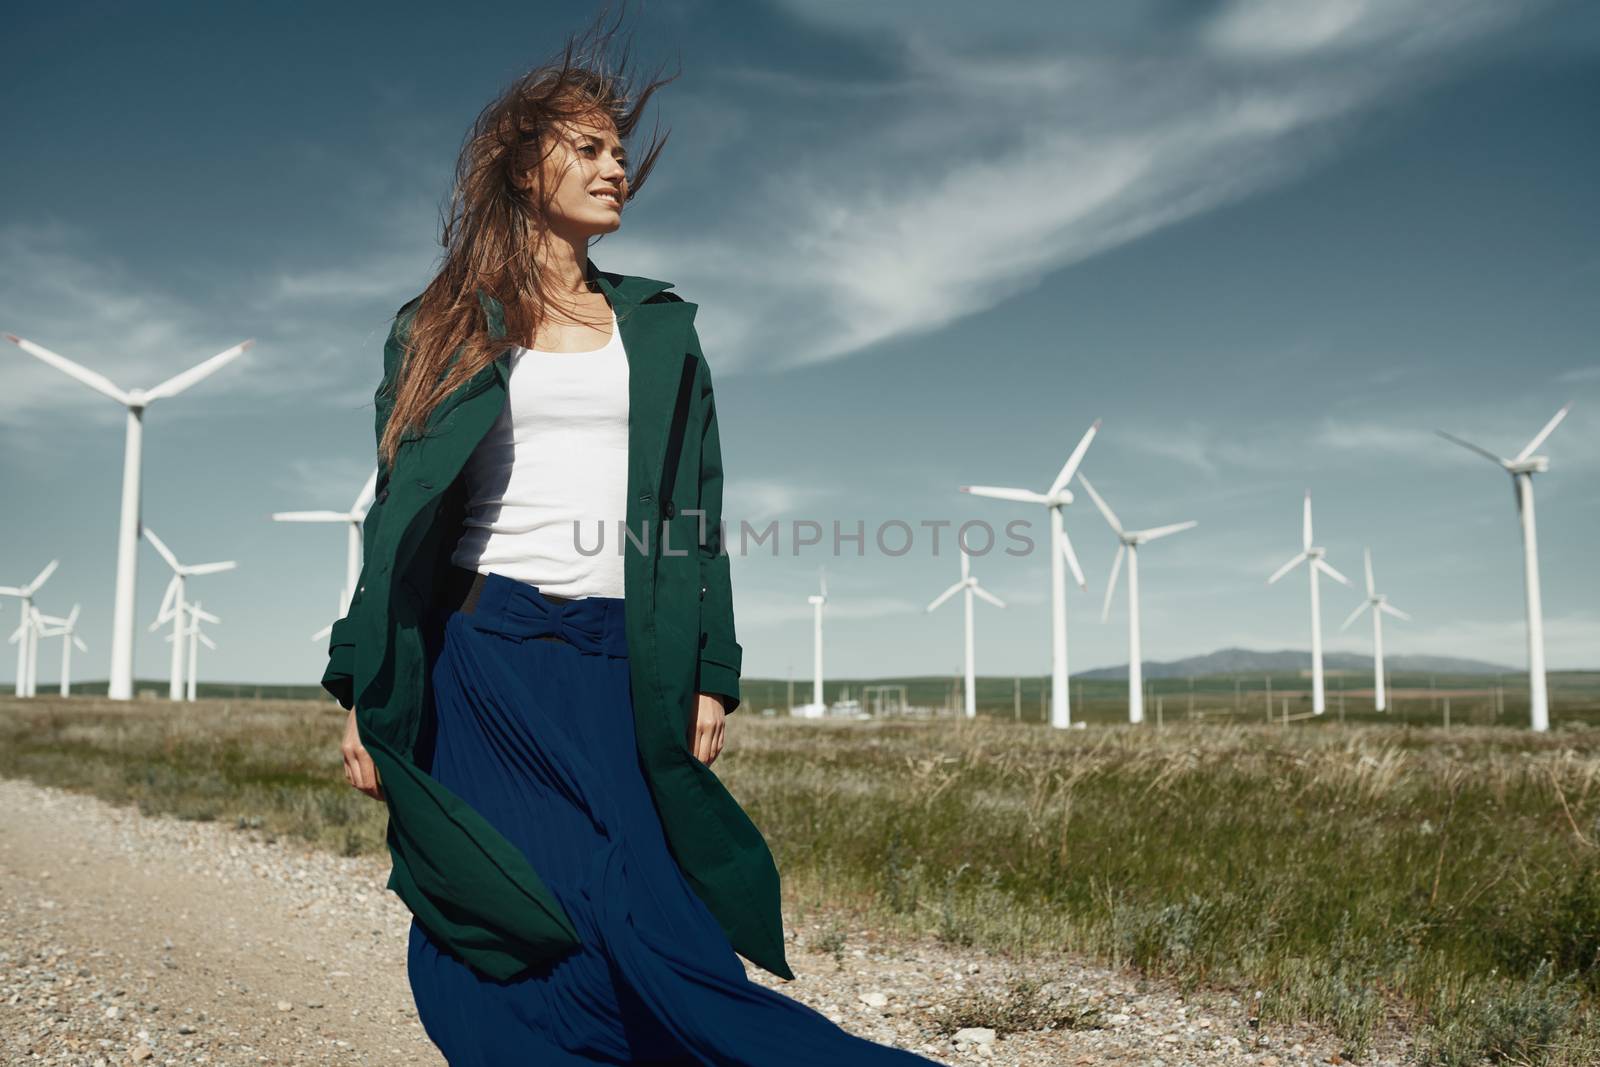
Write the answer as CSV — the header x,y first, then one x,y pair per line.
x,y
1524,462
1531,465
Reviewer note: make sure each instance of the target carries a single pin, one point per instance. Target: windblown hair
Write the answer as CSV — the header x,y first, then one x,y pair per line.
x,y
494,230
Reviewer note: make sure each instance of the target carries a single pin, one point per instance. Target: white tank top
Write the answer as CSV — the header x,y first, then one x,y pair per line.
x,y
551,476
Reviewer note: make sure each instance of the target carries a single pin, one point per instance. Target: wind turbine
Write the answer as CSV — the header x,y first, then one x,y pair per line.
x,y
120,684
1379,603
26,634
969,587
1055,498
1128,544
173,604
196,614
1312,556
816,709
26,637
67,630
1522,468
352,554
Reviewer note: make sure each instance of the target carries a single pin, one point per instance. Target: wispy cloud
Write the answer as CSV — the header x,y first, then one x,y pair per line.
x,y
760,500
61,289
1001,168
58,290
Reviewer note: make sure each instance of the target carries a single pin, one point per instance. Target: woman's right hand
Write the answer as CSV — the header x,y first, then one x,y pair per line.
x,y
358,768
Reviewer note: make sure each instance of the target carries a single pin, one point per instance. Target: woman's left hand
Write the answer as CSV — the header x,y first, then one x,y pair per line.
x,y
705,732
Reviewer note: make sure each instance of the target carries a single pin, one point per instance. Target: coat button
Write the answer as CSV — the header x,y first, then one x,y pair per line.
x,y
668,509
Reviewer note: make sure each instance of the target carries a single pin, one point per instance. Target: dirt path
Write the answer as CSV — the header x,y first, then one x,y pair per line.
x,y
130,939
127,939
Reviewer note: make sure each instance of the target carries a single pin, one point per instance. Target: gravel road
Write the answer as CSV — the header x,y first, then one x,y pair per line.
x,y
127,939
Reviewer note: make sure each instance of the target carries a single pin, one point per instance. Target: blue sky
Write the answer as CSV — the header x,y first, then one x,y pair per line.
x,y
1271,245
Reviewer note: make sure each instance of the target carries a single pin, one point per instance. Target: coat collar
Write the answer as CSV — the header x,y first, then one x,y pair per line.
x,y
622,291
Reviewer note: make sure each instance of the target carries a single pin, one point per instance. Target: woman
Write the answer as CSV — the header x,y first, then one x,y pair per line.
x,y
540,717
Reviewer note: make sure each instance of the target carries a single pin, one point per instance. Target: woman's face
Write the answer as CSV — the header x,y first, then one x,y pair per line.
x,y
587,179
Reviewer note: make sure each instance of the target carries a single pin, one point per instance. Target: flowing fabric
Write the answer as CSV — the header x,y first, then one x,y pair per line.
x,y
538,736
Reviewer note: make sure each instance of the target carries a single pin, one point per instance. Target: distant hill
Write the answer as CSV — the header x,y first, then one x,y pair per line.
x,y
1251,661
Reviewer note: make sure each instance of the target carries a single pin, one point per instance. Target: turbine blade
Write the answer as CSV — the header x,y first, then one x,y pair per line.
x,y
211,568
72,616
1111,583
1105,509
206,615
204,640
44,576
168,599
323,633
1071,466
942,597
79,642
1396,612
1163,531
1484,452
1287,567
1356,614
978,590
1326,568
98,382
310,516
1000,492
10,590
1538,438
1366,555
1306,527
1072,560
179,382
161,547
363,504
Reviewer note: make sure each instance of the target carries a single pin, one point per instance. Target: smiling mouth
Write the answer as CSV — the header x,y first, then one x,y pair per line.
x,y
608,199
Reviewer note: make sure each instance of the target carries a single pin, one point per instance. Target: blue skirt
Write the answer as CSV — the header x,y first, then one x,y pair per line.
x,y
534,728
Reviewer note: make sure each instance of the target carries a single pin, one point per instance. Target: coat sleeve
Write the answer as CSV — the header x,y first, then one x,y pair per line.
x,y
721,656
339,677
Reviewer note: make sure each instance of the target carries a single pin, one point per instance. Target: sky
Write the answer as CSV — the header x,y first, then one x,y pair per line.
x,y
1272,244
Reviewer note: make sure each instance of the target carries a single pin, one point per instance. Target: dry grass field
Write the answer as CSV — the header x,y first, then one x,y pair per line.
x,y
1357,875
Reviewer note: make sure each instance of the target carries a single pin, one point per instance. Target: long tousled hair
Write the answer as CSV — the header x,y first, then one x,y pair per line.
x,y
494,228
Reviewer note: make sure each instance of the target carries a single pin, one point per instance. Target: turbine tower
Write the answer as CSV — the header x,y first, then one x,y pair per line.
x,y
1522,468
26,635
1379,604
1054,499
352,520
26,638
120,684
173,605
67,630
1313,557
196,614
817,708
1129,542
969,587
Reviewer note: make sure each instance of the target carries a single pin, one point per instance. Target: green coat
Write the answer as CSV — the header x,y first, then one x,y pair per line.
x,y
469,885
